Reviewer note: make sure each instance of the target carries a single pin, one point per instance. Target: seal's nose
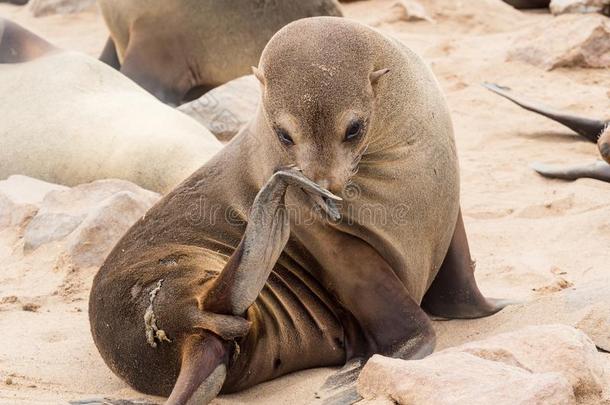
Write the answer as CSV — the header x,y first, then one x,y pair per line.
x,y
604,149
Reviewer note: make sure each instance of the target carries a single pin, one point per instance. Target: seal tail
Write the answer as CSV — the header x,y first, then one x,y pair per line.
x,y
586,127
202,372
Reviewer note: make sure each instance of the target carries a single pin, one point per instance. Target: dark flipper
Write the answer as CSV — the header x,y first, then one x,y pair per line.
x,y
16,2
524,4
454,292
599,170
109,55
586,127
340,388
18,45
203,371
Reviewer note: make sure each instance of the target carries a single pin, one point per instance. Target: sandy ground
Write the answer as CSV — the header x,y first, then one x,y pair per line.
x,y
528,234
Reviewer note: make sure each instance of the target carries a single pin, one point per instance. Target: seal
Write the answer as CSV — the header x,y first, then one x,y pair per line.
x,y
250,280
179,49
593,130
20,45
86,121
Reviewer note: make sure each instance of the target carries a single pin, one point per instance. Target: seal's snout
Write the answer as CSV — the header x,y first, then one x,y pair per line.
x,y
329,183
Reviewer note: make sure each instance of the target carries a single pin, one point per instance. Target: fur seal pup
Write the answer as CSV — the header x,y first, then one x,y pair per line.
x,y
85,121
591,129
173,47
232,280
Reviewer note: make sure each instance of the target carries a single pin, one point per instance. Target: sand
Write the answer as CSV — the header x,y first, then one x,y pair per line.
x,y
531,237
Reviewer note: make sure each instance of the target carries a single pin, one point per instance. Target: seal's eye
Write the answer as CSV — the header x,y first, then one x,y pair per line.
x,y
353,131
284,137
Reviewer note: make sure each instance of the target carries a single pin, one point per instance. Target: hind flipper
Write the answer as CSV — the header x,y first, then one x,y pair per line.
x,y
109,55
454,292
586,127
202,372
18,45
599,170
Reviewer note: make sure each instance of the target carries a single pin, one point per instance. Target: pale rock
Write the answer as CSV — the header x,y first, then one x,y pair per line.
x,y
556,348
40,8
404,10
452,378
48,227
566,41
90,217
578,6
227,108
91,242
20,198
551,364
595,322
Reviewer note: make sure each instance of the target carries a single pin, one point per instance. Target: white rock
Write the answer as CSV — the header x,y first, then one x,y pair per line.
x,y
41,8
566,41
595,322
90,218
20,198
404,10
225,109
459,378
48,227
578,6
91,242
551,364
548,348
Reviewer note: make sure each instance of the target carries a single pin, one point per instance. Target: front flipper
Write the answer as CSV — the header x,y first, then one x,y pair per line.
x,y
454,292
205,355
599,170
588,128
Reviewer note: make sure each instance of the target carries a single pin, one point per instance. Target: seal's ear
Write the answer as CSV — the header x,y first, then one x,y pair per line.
x,y
258,74
376,75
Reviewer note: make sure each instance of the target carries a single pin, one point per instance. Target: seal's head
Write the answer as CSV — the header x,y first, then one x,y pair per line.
x,y
319,98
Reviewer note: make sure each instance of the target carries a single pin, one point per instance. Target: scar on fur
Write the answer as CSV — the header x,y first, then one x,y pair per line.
x,y
150,320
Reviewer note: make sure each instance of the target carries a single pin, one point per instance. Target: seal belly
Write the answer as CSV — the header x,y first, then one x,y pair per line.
x,y
295,326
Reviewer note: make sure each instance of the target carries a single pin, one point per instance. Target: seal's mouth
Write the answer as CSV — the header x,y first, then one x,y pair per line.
x,y
327,205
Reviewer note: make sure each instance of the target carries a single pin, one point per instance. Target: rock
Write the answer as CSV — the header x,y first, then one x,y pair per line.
x,y
91,242
553,364
40,8
225,109
47,227
90,218
573,354
404,10
595,322
27,190
459,378
579,6
20,198
566,41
